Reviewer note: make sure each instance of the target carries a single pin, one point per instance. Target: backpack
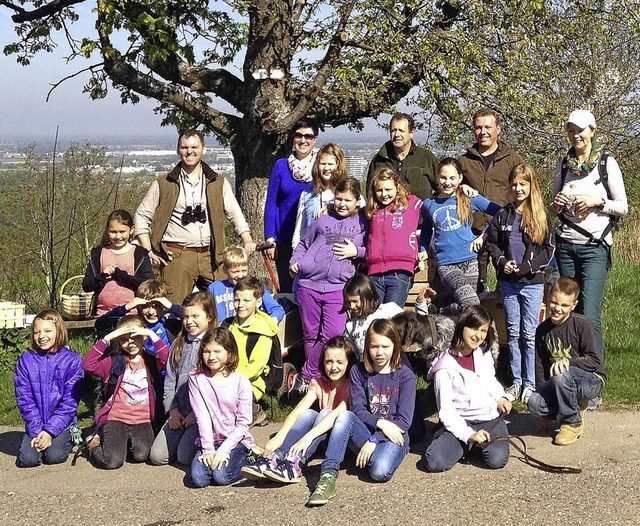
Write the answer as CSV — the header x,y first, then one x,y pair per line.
x,y
604,179
274,378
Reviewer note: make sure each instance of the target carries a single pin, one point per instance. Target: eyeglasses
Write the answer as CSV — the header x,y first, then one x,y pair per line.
x,y
305,136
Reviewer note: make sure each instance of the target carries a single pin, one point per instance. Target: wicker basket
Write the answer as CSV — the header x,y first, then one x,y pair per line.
x,y
77,305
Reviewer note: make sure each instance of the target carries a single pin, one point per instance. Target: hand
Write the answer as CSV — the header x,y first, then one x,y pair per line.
x,y
121,331
584,203
364,455
510,267
345,250
476,244
250,247
562,200
164,302
301,446
189,420
213,461
423,256
468,191
322,211
41,442
559,367
157,261
293,269
271,253
425,293
175,419
504,405
479,437
108,270
135,302
391,431
272,445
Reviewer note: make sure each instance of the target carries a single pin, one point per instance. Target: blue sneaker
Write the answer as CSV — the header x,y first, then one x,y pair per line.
x,y
255,469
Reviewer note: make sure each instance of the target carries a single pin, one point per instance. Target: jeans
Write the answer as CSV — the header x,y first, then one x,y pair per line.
x,y
588,264
349,431
446,450
174,444
203,476
306,421
560,397
56,453
392,286
321,319
461,280
116,438
522,314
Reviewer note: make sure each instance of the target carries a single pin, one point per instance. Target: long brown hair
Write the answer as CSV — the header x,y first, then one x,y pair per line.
x,y
534,213
340,173
402,196
388,329
223,337
463,207
204,300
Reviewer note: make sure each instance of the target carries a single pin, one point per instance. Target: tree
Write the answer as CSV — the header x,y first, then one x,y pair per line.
x,y
338,61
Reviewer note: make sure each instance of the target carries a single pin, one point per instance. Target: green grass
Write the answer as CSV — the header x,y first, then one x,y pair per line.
x,y
621,319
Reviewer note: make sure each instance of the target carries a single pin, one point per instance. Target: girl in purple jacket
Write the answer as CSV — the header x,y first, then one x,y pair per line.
x,y
221,399
48,384
323,262
392,247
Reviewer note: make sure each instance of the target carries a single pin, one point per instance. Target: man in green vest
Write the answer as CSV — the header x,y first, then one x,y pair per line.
x,y
180,221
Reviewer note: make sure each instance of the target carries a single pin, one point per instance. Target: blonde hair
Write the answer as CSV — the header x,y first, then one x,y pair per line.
x,y
54,317
340,173
534,212
463,206
234,256
402,195
204,300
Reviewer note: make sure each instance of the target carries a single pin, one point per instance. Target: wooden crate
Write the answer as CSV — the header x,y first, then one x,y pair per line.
x,y
11,314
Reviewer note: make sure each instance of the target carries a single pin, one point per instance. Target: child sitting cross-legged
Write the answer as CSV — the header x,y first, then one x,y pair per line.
x,y
250,320
568,368
126,421
159,314
235,263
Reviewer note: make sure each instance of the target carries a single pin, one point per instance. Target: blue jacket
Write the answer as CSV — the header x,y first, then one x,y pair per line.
x,y
222,292
48,388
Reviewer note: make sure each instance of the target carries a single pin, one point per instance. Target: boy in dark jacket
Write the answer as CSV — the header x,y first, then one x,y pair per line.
x,y
568,369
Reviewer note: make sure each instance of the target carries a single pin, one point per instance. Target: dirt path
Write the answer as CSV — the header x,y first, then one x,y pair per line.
x,y
607,491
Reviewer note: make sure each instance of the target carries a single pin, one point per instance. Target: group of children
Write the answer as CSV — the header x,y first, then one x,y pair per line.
x,y
183,382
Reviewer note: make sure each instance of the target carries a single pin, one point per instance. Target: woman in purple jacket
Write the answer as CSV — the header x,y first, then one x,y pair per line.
x,y
289,177
48,384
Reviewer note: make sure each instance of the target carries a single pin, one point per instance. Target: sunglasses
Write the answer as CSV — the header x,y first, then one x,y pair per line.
x,y
305,136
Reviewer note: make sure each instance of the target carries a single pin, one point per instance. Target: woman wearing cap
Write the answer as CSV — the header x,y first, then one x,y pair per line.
x,y
588,192
289,177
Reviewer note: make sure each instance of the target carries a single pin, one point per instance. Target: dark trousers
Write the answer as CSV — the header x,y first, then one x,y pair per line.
x,y
118,438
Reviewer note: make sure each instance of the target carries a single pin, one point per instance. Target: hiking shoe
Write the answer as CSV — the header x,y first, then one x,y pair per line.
x,y
325,490
287,471
513,392
299,386
526,394
254,469
568,434
259,417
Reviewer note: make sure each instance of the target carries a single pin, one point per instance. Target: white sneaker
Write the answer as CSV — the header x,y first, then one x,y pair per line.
x,y
526,394
513,392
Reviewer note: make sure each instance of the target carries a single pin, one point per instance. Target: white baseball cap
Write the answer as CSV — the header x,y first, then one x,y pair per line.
x,y
582,119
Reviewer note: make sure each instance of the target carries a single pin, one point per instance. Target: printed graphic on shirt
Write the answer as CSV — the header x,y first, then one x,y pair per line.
x,y
135,386
446,218
379,399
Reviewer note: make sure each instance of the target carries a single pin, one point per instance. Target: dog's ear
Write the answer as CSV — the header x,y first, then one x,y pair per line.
x,y
400,322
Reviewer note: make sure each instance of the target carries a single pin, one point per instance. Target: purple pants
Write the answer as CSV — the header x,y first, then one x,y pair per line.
x,y
321,320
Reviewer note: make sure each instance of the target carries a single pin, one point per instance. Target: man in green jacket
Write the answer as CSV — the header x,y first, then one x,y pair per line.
x,y
416,165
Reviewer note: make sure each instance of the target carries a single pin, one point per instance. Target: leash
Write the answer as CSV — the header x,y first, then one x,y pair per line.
x,y
520,445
